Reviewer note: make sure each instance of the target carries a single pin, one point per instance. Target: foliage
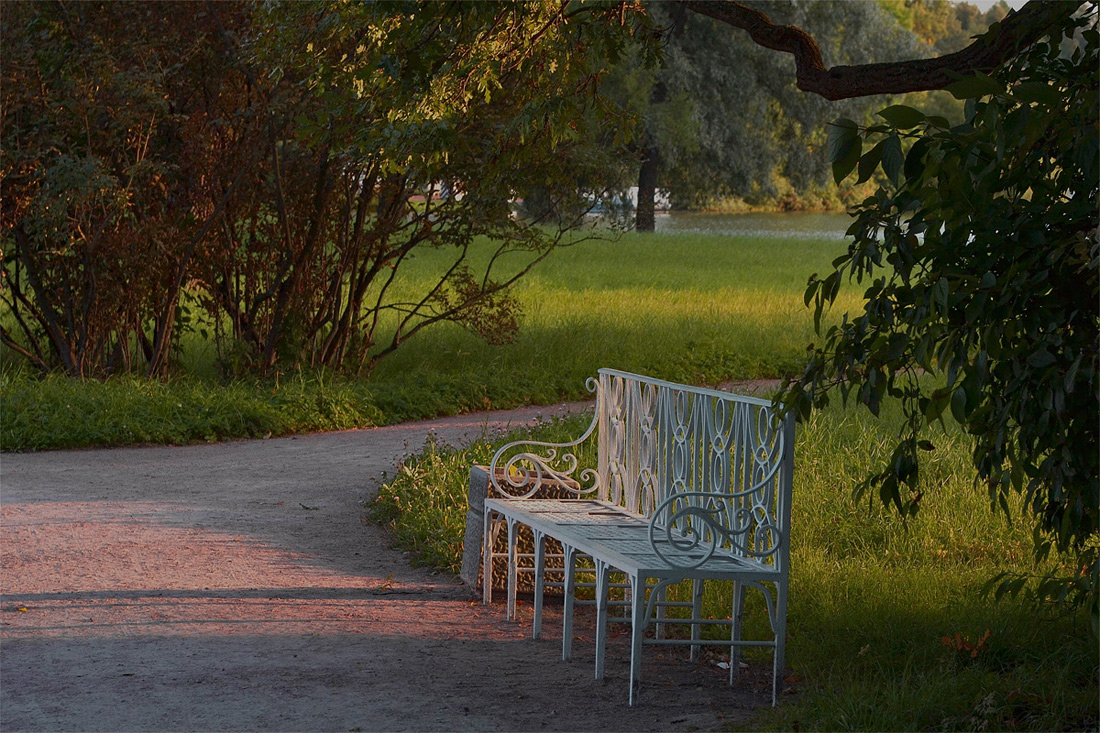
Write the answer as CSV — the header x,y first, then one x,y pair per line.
x,y
393,150
946,26
276,165
100,177
980,259
725,114
725,312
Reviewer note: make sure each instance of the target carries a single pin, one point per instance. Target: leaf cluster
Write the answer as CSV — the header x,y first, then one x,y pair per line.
x,y
272,166
979,259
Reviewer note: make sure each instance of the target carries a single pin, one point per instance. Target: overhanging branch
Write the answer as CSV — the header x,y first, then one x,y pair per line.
x,y
1017,31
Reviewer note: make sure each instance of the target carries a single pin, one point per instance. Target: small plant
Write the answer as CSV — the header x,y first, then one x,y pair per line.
x,y
965,650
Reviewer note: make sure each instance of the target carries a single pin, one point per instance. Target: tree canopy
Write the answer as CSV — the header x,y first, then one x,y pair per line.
x,y
981,266
1016,32
722,115
273,165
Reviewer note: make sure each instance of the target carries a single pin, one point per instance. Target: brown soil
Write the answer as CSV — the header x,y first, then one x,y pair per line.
x,y
236,587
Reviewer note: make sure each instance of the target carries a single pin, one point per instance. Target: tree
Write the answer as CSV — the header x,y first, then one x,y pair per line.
x,y
101,208
1016,32
981,260
280,163
723,116
419,125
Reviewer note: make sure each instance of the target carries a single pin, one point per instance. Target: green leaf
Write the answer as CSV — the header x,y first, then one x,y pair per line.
x,y
844,146
842,134
869,161
972,87
811,289
914,161
901,116
844,167
1071,375
1036,91
1041,358
958,405
941,291
892,158
935,407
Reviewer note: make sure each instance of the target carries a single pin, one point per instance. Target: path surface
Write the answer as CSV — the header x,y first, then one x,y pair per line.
x,y
236,587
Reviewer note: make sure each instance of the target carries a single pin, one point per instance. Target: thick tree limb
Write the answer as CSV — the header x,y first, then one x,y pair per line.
x,y
1017,31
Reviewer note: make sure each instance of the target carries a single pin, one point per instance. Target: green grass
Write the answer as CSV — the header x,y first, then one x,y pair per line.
x,y
872,597
687,307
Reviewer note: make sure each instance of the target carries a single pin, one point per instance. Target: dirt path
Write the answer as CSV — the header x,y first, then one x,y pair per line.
x,y
236,587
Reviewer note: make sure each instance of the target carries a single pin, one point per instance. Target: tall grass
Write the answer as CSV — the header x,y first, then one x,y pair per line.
x,y
688,307
886,627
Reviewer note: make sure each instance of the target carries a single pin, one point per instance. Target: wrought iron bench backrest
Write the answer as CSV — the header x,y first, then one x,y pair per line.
x,y
703,464
711,469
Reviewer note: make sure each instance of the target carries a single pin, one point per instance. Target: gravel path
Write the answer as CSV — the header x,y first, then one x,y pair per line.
x,y
236,587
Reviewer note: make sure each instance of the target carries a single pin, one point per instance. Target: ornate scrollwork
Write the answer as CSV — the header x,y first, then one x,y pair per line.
x,y
522,474
690,526
693,532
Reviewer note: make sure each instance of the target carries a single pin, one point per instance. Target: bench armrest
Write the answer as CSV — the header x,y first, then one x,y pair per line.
x,y
687,529
519,469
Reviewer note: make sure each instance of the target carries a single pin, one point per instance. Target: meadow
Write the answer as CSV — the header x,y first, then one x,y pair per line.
x,y
688,307
887,627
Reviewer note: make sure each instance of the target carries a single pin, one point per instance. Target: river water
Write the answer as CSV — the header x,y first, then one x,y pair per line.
x,y
800,225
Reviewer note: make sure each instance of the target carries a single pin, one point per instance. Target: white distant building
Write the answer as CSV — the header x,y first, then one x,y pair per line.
x,y
624,201
661,200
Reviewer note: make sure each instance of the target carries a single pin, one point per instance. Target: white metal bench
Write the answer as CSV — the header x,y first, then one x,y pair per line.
x,y
690,484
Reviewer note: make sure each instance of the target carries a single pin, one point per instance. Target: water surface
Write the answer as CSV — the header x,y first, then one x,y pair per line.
x,y
800,225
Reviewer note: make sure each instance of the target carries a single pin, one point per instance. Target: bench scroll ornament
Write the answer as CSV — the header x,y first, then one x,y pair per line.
x,y
522,474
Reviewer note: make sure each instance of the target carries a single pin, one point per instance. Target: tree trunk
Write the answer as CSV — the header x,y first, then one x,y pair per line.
x,y
647,189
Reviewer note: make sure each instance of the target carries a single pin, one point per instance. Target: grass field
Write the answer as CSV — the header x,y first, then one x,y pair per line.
x,y
886,626
882,612
686,307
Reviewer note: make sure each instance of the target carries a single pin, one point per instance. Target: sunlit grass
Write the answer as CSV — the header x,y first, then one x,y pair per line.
x,y
872,597
688,307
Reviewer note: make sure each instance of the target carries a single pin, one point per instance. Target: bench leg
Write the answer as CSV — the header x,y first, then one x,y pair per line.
x,y
512,569
660,611
637,630
488,537
779,626
540,580
603,577
697,616
735,629
569,588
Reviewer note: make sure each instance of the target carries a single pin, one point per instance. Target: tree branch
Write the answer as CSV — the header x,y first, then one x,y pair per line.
x,y
1017,31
